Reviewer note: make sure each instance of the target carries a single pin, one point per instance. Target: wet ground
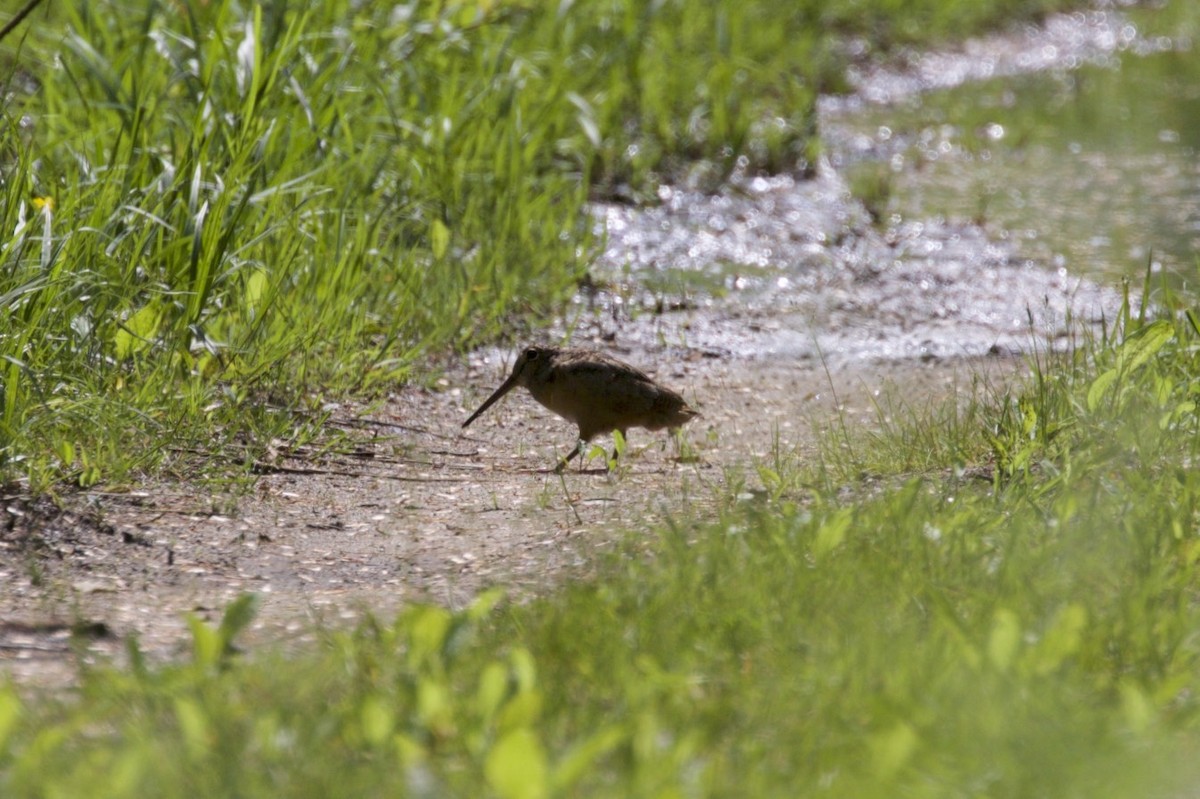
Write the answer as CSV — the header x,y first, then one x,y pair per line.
x,y
778,307
1094,169
784,269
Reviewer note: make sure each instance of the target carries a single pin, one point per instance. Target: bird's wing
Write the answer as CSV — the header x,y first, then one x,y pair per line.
x,y
598,366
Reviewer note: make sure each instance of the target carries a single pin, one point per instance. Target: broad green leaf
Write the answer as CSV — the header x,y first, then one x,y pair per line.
x,y
524,669
377,718
428,628
433,702
439,238
493,688
832,532
485,603
1180,410
256,286
770,478
516,766
137,332
1098,388
66,452
618,443
206,642
1146,344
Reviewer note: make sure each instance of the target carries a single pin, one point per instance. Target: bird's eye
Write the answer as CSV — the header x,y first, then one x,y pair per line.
x,y
531,354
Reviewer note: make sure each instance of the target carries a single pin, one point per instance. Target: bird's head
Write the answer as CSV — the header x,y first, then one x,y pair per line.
x,y
531,362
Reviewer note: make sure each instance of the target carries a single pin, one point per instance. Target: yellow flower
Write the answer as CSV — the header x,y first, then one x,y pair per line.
x,y
46,203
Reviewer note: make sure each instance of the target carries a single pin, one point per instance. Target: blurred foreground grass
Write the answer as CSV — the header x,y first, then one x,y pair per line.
x,y
214,213
1032,633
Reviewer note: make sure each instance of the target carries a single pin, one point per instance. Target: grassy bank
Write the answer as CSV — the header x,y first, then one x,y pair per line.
x,y
1016,619
214,214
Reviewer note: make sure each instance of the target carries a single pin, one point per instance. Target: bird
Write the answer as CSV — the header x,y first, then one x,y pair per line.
x,y
595,391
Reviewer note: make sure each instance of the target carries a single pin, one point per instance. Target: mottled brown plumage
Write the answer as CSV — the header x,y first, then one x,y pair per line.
x,y
595,391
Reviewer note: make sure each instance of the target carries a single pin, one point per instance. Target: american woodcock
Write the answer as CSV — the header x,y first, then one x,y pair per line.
x,y
595,391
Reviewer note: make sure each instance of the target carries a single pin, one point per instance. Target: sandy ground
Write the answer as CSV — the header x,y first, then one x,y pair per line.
x,y
417,512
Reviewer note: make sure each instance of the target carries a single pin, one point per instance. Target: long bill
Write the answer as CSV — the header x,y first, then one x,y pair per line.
x,y
505,387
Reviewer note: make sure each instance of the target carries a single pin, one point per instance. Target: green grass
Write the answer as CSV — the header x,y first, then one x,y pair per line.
x,y
214,214
242,212
1032,634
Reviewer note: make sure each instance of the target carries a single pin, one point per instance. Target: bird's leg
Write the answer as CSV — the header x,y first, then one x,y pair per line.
x,y
563,463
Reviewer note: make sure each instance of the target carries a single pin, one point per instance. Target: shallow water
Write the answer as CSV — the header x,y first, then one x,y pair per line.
x,y
999,214
1095,169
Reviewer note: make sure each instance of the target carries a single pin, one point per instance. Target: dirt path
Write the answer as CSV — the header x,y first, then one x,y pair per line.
x,y
409,516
